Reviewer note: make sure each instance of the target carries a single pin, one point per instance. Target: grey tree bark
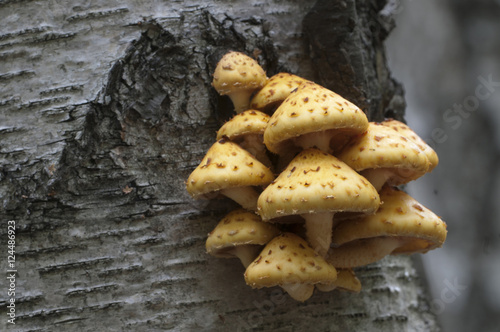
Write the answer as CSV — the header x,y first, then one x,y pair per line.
x,y
105,109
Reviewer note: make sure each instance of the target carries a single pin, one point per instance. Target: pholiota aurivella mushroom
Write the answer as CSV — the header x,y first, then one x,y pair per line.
x,y
288,261
384,155
313,116
238,76
410,134
229,170
241,234
400,226
247,130
276,90
316,185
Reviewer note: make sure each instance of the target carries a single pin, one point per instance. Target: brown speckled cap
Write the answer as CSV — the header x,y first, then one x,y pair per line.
x,y
238,76
237,228
288,259
382,147
399,216
409,133
313,109
245,123
276,90
226,165
316,182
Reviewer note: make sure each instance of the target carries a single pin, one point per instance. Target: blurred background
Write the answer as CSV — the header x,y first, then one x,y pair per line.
x,y
447,55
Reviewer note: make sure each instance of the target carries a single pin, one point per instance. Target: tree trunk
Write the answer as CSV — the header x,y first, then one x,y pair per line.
x,y
105,110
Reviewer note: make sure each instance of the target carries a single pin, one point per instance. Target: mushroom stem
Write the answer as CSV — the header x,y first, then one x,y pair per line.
x,y
299,292
246,253
319,140
363,252
254,144
245,196
241,99
377,176
319,228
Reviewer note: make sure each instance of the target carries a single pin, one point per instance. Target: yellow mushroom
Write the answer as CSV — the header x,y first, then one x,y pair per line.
x,y
276,90
229,170
383,155
316,185
313,116
238,76
240,234
288,261
247,130
400,226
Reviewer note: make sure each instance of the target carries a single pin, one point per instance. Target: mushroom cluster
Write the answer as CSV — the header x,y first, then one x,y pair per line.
x,y
316,181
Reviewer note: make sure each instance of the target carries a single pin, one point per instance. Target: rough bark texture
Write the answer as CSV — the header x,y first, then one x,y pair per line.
x,y
107,107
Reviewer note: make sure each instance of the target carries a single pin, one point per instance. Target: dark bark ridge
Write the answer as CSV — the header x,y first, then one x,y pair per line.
x,y
108,235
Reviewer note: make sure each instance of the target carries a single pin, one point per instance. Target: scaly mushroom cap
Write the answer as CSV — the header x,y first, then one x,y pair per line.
x,y
418,228
316,182
288,259
238,228
313,109
276,90
245,123
381,147
238,76
227,165
409,133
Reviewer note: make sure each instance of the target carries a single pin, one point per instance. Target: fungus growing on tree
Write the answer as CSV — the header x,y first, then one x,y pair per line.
x,y
410,134
316,185
345,224
288,261
247,130
383,155
313,116
238,76
400,226
276,90
240,234
229,170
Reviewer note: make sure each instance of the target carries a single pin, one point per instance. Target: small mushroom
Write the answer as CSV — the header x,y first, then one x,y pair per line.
x,y
313,116
346,281
400,226
410,134
238,76
316,185
247,130
240,234
276,90
383,155
229,170
288,261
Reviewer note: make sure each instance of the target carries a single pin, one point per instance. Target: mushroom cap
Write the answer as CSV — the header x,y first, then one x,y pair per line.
x,y
276,90
288,259
383,147
311,109
409,133
237,71
245,123
401,216
226,165
316,182
239,227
